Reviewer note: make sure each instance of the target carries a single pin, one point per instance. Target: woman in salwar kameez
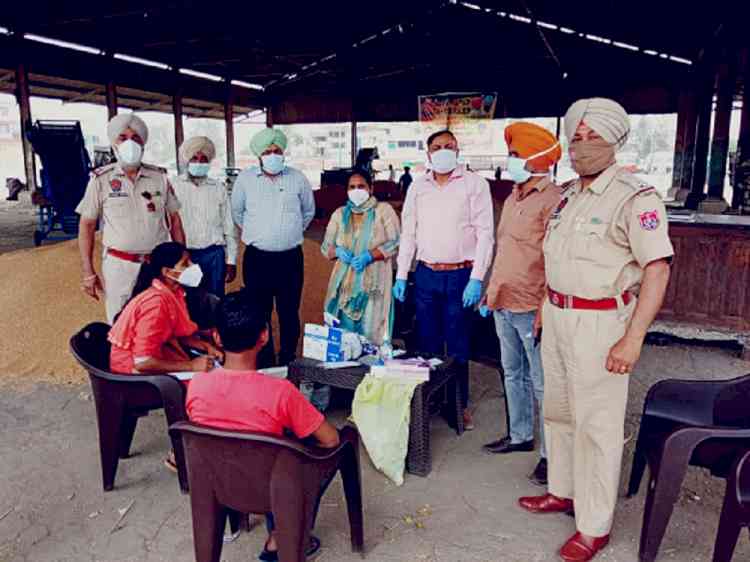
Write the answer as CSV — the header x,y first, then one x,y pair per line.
x,y
362,236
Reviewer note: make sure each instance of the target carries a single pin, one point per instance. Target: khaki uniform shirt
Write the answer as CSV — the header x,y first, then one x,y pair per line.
x,y
518,281
599,239
129,221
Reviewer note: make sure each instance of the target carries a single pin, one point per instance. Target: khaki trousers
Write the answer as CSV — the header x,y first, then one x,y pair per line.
x,y
119,279
584,411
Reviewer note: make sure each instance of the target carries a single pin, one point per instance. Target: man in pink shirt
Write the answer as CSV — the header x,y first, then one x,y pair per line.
x,y
447,225
239,397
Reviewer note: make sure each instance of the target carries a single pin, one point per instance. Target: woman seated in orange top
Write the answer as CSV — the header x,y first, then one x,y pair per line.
x,y
152,331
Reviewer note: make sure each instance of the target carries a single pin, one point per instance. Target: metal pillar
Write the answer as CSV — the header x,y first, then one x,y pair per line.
x,y
354,142
726,79
179,131
24,104
111,100
229,126
741,195
702,137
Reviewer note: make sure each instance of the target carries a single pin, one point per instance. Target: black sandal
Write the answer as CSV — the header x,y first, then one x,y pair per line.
x,y
273,555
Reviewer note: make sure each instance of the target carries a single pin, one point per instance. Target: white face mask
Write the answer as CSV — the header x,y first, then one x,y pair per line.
x,y
191,276
444,160
129,153
358,196
272,163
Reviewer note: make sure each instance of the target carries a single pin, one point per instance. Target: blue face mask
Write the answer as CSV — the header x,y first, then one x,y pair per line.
x,y
198,169
272,163
517,166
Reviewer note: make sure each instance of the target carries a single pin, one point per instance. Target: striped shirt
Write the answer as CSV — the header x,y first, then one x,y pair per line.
x,y
273,211
206,215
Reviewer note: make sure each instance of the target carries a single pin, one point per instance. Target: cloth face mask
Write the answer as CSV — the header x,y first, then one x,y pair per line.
x,y
589,157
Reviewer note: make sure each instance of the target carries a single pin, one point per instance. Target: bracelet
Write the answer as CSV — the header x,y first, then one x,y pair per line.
x,y
89,278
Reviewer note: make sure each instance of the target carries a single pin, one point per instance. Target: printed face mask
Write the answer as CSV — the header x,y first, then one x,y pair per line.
x,y
589,157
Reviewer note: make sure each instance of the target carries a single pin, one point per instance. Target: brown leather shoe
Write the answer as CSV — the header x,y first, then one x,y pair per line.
x,y
546,504
577,550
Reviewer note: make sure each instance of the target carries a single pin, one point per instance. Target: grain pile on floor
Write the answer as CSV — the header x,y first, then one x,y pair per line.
x,y
41,306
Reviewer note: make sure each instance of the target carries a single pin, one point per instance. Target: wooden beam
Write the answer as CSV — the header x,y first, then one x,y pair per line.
x,y
684,146
111,99
269,116
705,90
85,96
22,95
179,131
229,126
354,142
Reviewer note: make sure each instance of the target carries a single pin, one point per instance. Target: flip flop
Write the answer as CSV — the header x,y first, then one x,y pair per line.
x,y
170,462
273,555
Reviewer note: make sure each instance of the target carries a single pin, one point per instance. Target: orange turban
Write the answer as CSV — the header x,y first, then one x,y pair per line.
x,y
528,139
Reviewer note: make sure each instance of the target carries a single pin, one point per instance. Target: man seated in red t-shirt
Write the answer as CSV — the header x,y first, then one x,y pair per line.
x,y
238,397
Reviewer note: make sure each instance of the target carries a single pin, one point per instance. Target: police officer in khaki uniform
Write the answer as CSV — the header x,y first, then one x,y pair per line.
x,y
137,208
607,255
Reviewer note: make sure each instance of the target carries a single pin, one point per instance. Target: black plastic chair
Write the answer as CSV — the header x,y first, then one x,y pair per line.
x,y
736,511
121,399
234,472
697,423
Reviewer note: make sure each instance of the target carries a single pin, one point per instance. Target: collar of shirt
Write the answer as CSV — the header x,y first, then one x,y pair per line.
x,y
142,172
523,193
455,174
601,183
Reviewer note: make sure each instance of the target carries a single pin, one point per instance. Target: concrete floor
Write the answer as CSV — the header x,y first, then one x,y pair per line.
x,y
52,507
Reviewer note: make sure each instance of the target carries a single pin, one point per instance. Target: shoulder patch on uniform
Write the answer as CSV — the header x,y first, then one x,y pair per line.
x,y
102,170
649,220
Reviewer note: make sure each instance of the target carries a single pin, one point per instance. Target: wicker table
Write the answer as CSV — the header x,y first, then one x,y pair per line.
x,y
443,377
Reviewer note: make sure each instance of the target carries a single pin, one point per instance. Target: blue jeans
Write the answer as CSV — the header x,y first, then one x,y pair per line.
x,y
214,267
524,378
442,320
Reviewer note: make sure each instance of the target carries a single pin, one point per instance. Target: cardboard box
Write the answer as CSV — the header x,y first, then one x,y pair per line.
x,y
321,349
334,335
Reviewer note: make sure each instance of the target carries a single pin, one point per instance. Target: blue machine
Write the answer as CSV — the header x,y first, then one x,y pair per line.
x,y
65,174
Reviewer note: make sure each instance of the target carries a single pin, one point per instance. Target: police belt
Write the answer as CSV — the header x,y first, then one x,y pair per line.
x,y
577,303
127,256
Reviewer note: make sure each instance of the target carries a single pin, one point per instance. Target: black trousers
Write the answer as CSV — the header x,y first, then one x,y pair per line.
x,y
276,278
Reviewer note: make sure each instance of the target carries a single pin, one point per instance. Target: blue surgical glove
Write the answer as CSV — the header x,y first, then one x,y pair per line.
x,y
472,292
344,255
399,290
484,311
362,261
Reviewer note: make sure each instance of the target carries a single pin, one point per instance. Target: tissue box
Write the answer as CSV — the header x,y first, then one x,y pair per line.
x,y
322,343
